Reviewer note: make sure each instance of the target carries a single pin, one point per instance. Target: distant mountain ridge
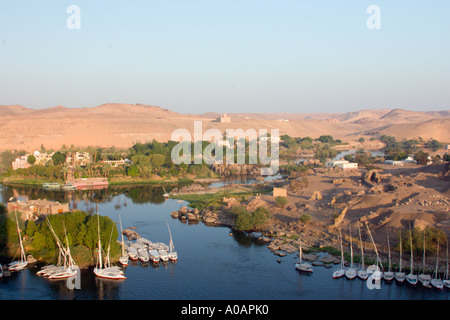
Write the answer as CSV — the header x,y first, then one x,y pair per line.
x,y
122,124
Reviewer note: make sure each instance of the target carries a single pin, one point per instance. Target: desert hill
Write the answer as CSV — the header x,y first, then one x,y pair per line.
x,y
121,125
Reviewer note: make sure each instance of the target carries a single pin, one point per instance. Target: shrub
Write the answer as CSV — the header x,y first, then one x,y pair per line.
x,y
281,201
305,218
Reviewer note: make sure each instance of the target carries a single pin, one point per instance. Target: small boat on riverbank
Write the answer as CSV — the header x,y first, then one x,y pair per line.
x,y
51,185
303,266
69,186
106,271
154,256
173,255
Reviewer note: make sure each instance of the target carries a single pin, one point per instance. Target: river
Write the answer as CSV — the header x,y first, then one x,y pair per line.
x,y
212,264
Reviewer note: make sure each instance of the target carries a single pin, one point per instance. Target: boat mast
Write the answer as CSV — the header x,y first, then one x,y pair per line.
x,y
362,247
170,242
22,251
400,266
374,246
446,272
412,262
437,259
342,250
121,232
423,263
389,251
351,246
100,263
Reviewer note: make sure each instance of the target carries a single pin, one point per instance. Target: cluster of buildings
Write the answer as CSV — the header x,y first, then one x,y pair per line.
x,y
78,158
33,209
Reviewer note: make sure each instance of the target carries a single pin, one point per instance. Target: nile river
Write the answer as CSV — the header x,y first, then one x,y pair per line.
x,y
212,264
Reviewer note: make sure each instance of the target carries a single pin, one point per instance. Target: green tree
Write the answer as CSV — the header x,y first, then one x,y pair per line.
x,y
58,158
260,216
281,201
31,159
421,157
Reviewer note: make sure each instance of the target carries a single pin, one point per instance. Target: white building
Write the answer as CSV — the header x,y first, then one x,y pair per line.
x,y
343,164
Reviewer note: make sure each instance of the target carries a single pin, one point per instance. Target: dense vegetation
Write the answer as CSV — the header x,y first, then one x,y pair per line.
x,y
431,235
247,221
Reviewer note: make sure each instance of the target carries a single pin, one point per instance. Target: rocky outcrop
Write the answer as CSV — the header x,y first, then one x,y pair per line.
x,y
207,216
131,234
372,178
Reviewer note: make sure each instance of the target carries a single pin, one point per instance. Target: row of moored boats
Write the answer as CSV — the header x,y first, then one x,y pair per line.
x,y
143,250
377,273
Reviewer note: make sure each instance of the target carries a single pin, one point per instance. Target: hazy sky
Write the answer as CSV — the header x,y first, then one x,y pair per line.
x,y
195,56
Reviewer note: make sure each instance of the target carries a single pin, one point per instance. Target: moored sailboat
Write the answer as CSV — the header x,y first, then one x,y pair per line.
x,y
377,273
124,257
389,274
411,278
340,272
437,281
22,263
105,271
423,277
362,272
446,281
303,266
351,272
173,255
400,275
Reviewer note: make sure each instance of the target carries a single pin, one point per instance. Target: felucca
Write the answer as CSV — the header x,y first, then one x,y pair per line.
x,y
70,269
424,278
389,274
446,281
351,272
377,273
124,258
340,272
173,255
362,273
303,266
437,281
400,275
105,271
411,277
22,263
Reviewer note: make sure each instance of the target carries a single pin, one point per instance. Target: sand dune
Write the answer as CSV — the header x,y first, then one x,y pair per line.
x,y
121,125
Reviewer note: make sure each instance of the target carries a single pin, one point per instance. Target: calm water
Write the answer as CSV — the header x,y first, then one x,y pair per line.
x,y
212,264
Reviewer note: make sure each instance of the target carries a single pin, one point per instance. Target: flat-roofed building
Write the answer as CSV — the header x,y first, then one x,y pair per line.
x,y
33,209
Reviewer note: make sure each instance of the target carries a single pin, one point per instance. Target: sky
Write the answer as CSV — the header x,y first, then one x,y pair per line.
x,y
197,56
